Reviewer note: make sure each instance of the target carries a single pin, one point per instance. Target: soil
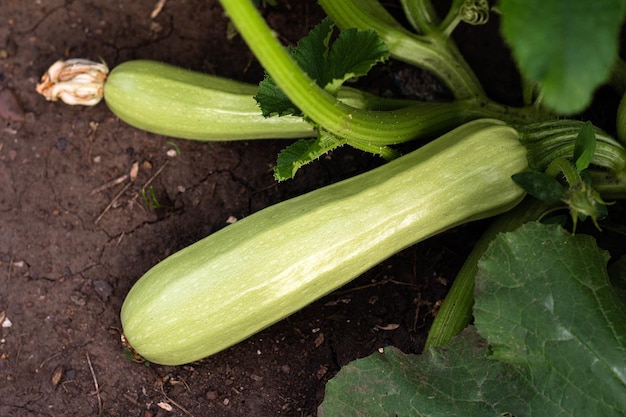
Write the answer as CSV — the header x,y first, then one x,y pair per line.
x,y
76,233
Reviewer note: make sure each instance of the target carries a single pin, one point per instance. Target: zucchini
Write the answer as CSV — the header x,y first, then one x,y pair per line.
x,y
264,267
172,101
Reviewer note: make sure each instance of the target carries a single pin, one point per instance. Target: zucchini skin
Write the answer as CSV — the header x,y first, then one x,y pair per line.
x,y
172,101
265,267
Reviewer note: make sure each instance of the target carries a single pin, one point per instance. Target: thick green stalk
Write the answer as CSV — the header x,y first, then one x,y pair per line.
x,y
317,104
421,14
365,127
561,166
434,51
320,106
547,141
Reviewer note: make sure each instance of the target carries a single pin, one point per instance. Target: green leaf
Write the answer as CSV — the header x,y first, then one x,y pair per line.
x,y
347,61
300,153
458,380
272,100
584,147
568,47
352,54
545,304
557,343
312,51
541,186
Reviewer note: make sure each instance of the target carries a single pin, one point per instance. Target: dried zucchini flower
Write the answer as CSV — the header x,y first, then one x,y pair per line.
x,y
75,81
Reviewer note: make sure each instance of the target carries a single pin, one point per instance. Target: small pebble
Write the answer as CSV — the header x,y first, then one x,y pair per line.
x,y
70,374
103,289
61,144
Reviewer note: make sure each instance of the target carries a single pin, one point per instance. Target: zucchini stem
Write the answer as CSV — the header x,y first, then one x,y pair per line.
x,y
565,168
319,105
421,14
550,140
364,126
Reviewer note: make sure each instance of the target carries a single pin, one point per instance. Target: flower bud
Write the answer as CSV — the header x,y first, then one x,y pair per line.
x,y
75,81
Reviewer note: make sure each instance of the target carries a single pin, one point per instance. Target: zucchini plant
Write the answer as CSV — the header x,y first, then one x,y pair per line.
x,y
256,271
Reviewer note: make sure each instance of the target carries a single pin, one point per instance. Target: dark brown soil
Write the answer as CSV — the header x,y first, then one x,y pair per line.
x,y
70,248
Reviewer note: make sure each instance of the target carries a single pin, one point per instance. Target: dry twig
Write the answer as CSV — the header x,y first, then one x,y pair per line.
x,y
180,407
109,184
131,176
157,9
373,284
147,183
108,207
96,385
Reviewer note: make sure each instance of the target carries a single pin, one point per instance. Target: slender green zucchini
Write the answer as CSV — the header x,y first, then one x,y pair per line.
x,y
173,101
264,267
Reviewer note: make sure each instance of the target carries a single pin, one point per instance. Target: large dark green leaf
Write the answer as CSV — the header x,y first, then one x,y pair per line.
x,y
568,47
545,303
557,343
458,380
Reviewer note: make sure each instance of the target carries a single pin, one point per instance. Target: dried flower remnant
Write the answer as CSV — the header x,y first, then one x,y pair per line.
x,y
75,81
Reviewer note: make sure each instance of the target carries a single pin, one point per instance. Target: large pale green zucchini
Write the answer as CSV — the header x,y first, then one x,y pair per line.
x,y
262,268
173,101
